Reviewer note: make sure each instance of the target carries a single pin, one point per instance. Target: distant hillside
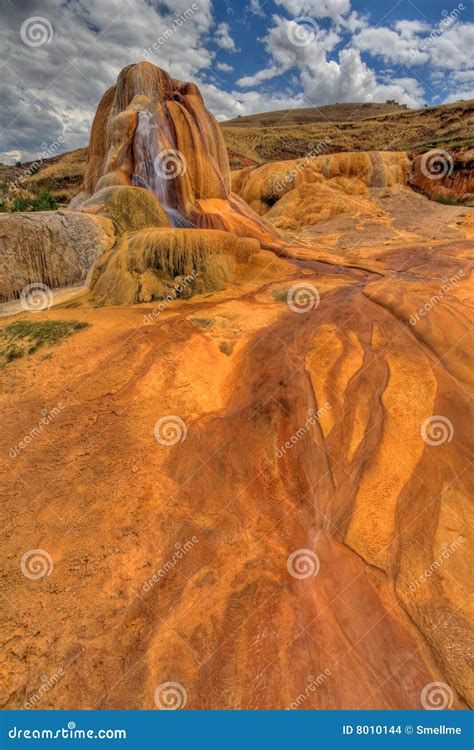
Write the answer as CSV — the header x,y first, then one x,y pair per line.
x,y
60,175
308,115
288,134
293,133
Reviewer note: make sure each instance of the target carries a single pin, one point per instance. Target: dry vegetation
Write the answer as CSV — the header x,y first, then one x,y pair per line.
x,y
60,176
349,127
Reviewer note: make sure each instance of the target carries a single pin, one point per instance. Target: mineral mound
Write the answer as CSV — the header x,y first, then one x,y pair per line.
x,y
236,461
157,158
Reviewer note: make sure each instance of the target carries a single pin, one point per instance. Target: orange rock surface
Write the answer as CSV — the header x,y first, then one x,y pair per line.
x,y
256,487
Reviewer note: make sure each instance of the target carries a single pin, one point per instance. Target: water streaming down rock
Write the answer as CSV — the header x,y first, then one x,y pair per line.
x,y
158,163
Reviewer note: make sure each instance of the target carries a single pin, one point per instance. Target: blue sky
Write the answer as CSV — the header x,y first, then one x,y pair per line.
x,y
419,72
59,56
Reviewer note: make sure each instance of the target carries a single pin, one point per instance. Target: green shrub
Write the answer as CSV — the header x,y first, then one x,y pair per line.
x,y
25,337
42,202
448,200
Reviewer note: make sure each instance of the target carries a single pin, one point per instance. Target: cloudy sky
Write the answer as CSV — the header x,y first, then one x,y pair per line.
x,y
57,57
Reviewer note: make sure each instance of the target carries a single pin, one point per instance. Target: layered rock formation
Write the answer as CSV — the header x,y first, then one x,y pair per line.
x,y
441,175
57,249
303,192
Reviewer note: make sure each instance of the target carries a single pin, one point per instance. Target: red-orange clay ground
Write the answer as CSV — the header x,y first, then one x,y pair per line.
x,y
174,563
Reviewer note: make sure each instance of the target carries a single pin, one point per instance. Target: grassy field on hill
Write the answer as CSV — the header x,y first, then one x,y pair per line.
x,y
288,134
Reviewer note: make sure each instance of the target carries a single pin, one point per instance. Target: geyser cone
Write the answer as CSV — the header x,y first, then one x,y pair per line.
x,y
155,132
153,135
